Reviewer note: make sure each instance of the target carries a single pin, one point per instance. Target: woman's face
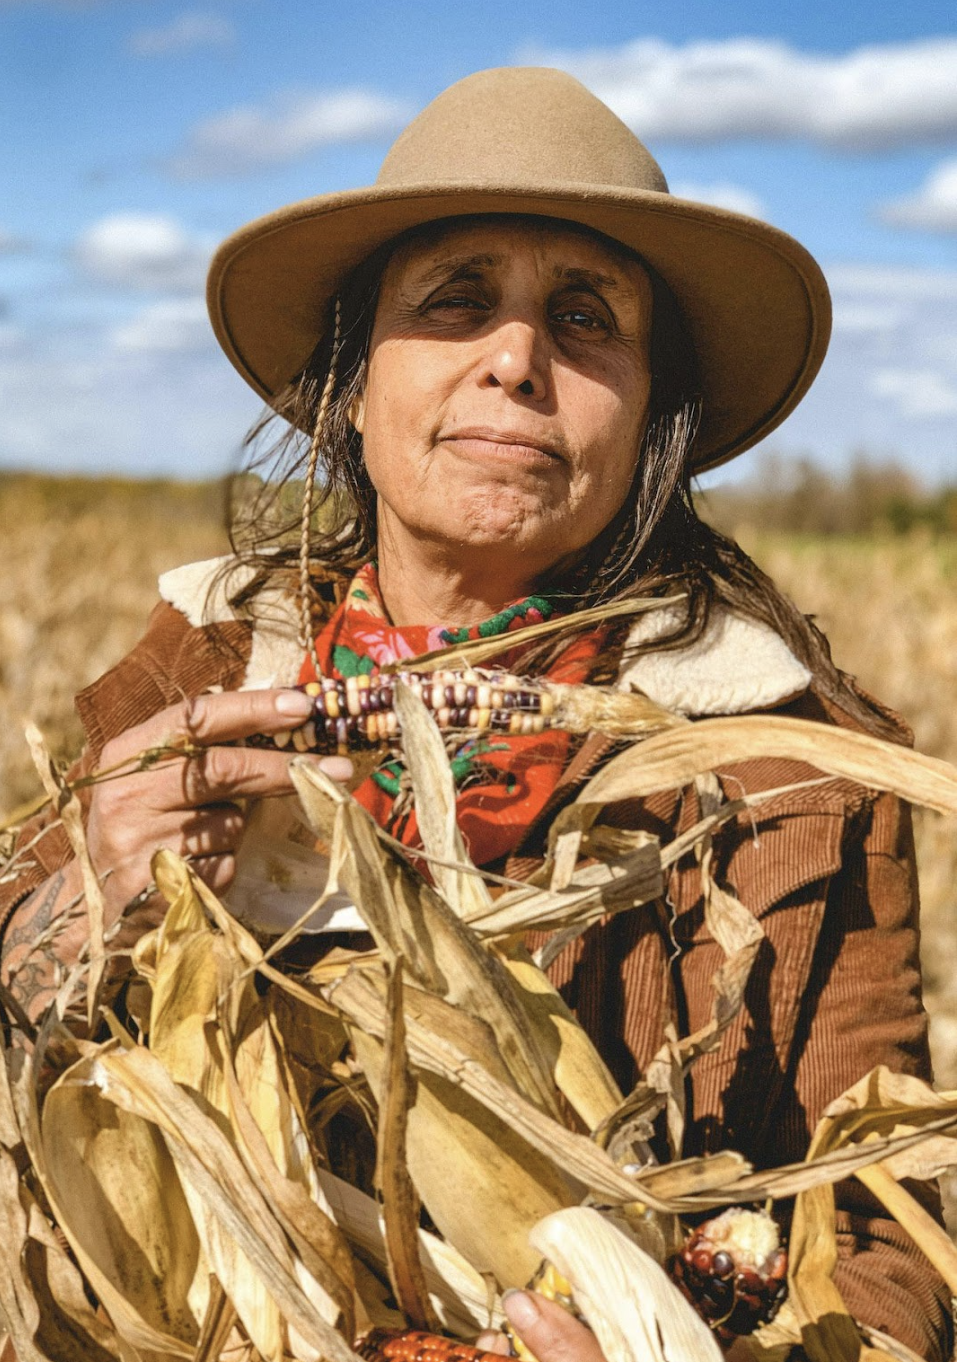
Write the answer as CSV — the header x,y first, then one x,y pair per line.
x,y
507,391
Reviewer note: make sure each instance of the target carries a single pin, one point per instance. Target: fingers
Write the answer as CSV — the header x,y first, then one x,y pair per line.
x,y
217,872
215,775
212,832
549,1331
492,1341
211,719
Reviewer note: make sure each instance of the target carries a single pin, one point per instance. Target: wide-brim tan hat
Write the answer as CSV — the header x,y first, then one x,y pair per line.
x,y
533,140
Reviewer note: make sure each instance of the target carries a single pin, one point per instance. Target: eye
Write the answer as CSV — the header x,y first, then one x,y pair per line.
x,y
583,319
585,315
451,302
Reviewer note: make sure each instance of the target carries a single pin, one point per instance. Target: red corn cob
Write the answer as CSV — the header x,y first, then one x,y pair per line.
x,y
733,1271
411,1345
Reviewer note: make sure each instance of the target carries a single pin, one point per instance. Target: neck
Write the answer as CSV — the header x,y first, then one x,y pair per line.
x,y
422,583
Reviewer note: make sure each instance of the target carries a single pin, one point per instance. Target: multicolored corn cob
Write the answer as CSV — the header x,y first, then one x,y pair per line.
x,y
733,1271
411,1345
358,711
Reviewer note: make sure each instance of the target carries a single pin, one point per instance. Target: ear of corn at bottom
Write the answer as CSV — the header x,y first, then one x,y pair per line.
x,y
411,1345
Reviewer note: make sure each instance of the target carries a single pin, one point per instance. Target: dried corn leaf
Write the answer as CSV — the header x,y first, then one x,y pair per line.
x,y
593,892
634,1309
578,1158
739,935
19,1307
68,807
408,918
132,1235
793,1178
435,799
705,1174
476,651
482,1184
310,1228
70,1330
137,1082
919,1224
883,1108
217,1325
209,1026
401,1206
677,757
578,1070
458,1293
883,1103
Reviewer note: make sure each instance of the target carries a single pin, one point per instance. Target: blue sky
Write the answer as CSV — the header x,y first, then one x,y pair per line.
x,y
136,135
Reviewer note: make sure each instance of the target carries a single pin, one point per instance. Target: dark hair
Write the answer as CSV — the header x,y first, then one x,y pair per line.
x,y
656,546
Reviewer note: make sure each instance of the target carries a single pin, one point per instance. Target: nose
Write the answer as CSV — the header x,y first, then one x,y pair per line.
x,y
516,360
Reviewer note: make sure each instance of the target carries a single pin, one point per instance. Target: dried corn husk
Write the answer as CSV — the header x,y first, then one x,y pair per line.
x,y
480,1048
675,758
480,1180
462,1298
576,1068
409,919
627,1299
212,1033
114,1192
874,1112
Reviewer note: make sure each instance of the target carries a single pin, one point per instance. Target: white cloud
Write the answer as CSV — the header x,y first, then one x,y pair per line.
x,y
888,384
889,282
10,243
184,33
865,317
138,412
253,136
890,95
731,196
916,392
175,324
11,337
930,208
145,251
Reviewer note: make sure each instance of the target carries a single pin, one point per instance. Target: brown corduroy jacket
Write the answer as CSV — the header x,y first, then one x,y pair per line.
x,y
829,872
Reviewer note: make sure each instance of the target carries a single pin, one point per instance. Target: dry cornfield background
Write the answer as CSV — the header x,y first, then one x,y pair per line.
x,y
76,617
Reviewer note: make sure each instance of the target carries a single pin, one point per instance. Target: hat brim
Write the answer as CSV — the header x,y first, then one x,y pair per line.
x,y
755,302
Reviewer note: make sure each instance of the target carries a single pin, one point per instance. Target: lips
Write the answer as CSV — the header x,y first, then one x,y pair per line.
x,y
519,441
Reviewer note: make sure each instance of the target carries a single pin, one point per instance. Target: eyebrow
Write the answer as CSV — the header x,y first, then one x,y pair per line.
x,y
460,266
591,278
457,266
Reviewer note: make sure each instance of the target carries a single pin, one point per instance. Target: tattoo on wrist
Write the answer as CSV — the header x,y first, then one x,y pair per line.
x,y
30,967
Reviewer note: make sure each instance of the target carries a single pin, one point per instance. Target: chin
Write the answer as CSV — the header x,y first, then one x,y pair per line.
x,y
503,518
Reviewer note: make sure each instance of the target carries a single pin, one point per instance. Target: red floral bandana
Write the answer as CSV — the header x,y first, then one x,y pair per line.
x,y
503,782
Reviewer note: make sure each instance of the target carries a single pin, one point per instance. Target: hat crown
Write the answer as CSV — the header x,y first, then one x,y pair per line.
x,y
518,126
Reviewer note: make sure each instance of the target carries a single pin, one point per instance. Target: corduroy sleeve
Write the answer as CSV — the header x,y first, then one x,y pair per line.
x,y
172,661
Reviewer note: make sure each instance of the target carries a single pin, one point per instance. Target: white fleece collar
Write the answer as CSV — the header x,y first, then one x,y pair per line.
x,y
202,591
737,665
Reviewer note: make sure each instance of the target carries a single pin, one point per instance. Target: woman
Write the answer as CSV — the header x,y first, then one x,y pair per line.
x,y
513,354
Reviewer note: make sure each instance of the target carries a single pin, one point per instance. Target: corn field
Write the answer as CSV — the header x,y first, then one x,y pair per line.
x,y
196,1174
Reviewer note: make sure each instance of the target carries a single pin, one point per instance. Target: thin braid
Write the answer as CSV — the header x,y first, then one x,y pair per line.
x,y
307,638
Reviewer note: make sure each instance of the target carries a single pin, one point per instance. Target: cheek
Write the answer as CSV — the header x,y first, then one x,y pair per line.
x,y
390,408
612,423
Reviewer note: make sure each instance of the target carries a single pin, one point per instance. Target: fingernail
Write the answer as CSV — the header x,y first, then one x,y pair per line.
x,y
520,1308
294,704
337,768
